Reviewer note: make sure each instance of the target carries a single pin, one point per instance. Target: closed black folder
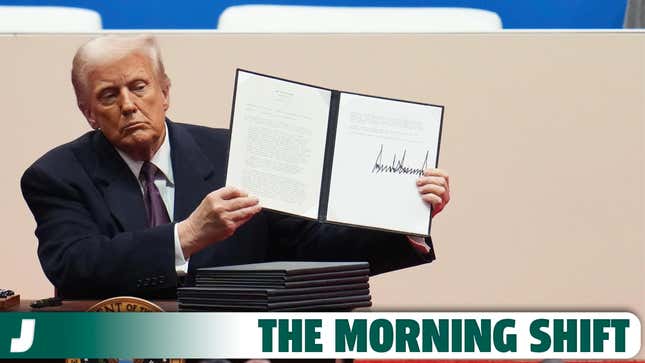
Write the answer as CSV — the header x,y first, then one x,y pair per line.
x,y
202,282
285,268
239,300
321,307
277,305
264,293
259,277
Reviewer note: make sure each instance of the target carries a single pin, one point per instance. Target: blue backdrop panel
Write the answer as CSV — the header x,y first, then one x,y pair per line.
x,y
203,14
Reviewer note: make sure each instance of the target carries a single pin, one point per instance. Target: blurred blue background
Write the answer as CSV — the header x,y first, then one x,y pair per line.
x,y
203,14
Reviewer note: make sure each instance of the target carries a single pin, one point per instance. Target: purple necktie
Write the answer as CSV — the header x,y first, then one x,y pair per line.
x,y
155,207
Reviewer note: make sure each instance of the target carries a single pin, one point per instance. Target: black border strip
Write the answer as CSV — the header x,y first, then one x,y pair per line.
x,y
436,163
330,147
230,128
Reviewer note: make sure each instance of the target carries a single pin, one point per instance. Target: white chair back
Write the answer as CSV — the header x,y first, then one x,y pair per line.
x,y
48,19
287,18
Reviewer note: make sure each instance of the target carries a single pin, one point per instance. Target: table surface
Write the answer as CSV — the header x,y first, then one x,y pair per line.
x,y
81,305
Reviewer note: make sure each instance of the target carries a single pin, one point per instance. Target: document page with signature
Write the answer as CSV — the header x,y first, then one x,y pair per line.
x,y
278,136
382,147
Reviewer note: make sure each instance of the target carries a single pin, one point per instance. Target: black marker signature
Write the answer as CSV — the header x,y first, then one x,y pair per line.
x,y
398,166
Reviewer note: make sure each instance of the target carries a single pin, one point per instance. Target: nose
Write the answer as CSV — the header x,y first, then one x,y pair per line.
x,y
127,103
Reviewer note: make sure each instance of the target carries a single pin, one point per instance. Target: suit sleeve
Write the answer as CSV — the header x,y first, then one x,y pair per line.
x,y
300,239
80,258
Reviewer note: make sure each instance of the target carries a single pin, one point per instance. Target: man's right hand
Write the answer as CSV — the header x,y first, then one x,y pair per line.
x,y
216,218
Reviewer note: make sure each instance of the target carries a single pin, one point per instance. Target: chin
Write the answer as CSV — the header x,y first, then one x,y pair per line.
x,y
136,140
139,144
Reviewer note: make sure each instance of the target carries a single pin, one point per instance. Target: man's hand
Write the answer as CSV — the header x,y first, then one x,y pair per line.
x,y
218,216
434,187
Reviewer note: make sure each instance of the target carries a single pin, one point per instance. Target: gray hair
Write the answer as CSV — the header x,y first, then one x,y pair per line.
x,y
109,48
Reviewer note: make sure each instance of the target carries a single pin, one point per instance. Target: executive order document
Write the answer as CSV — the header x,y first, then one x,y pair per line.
x,y
333,156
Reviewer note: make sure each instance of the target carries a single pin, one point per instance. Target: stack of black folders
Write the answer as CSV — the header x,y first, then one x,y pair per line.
x,y
279,286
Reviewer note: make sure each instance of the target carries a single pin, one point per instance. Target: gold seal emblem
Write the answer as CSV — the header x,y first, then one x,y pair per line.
x,y
124,304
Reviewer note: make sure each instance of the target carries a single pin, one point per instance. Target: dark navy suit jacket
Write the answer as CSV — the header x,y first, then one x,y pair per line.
x,y
91,230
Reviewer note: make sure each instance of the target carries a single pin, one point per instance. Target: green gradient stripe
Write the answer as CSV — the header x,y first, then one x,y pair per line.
x,y
101,335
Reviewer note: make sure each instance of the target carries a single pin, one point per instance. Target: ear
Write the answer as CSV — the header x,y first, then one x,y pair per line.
x,y
88,116
165,90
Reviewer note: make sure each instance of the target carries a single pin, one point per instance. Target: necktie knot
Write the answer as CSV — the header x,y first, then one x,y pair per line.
x,y
148,172
155,207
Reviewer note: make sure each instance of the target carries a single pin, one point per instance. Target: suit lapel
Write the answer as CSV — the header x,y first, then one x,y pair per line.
x,y
119,186
192,170
193,173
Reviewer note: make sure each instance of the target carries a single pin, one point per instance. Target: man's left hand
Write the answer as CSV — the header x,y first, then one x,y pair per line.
x,y
434,187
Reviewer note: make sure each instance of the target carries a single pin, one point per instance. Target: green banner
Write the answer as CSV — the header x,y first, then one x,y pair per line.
x,y
373,335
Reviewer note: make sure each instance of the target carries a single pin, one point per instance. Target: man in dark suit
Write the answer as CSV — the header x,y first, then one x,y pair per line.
x,y
139,202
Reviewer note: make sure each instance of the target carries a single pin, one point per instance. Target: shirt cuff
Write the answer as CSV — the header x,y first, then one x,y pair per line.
x,y
181,263
418,243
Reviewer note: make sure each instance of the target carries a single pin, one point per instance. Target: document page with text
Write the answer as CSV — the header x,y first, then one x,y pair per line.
x,y
382,147
278,136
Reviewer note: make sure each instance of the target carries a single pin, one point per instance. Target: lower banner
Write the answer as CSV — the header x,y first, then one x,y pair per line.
x,y
366,335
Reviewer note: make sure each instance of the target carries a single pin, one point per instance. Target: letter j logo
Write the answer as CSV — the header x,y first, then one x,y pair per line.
x,y
26,338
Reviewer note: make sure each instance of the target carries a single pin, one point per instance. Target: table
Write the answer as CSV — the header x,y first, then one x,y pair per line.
x,y
81,305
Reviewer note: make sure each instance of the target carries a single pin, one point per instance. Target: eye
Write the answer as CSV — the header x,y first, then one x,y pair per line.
x,y
107,96
138,86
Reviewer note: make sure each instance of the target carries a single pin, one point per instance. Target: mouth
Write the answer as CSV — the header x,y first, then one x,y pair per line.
x,y
133,125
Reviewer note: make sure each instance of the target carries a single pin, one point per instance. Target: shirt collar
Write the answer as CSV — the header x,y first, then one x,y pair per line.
x,y
161,159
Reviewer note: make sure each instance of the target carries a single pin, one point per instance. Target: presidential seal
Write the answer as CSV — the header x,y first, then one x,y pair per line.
x,y
125,304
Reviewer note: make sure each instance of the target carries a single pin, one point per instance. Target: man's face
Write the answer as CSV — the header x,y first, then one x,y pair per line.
x,y
128,103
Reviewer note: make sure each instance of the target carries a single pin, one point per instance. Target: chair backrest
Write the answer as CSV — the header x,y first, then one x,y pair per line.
x,y
48,19
287,18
